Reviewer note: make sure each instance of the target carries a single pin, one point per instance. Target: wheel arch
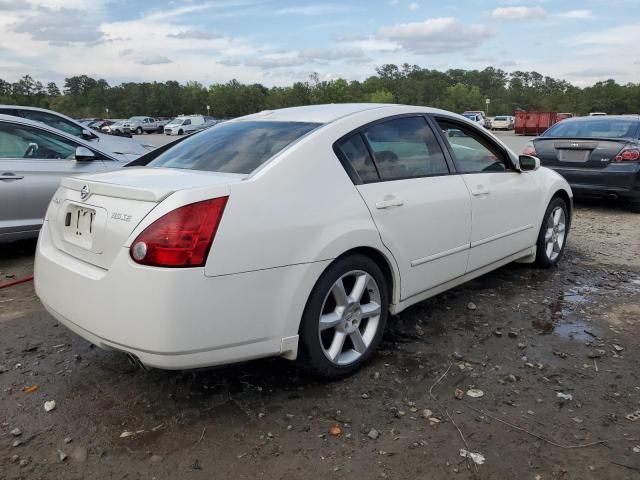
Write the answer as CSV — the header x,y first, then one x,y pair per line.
x,y
564,195
380,259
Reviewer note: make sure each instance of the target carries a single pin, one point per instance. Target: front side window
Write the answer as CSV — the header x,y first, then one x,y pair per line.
x,y
473,153
54,121
187,122
20,141
233,147
405,148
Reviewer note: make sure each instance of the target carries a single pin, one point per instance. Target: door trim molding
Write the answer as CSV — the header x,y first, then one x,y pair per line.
x,y
500,235
436,256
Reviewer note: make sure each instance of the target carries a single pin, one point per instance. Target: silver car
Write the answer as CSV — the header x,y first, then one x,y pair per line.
x,y
118,147
33,159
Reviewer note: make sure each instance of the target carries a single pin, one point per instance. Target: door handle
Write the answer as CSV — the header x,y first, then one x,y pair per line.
x,y
392,202
10,176
479,191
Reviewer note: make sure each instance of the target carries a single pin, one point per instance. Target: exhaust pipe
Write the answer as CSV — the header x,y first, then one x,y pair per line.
x,y
612,196
135,362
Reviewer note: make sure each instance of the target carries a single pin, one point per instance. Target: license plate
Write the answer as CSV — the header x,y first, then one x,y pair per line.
x,y
78,223
574,155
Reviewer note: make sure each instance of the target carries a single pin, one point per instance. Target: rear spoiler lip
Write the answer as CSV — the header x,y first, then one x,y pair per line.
x,y
596,139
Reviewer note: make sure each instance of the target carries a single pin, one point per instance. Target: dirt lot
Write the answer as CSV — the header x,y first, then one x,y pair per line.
x,y
532,336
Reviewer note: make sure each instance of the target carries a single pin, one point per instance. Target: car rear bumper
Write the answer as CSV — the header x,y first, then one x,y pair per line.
x,y
618,180
174,318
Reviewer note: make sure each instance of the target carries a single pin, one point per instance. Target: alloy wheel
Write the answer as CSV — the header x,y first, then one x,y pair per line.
x,y
350,317
555,234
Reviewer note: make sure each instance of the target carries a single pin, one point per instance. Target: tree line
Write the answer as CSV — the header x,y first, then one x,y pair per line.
x,y
455,90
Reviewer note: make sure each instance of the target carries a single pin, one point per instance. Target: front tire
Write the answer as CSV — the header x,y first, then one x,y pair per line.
x,y
139,130
553,234
344,319
180,132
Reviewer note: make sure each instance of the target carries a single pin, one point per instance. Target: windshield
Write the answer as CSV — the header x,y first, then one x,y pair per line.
x,y
234,147
470,117
176,121
601,128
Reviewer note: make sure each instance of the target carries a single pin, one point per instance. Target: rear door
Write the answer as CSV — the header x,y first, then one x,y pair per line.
x,y
503,219
421,210
32,162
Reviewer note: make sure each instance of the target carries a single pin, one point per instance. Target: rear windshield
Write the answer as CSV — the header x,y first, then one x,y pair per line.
x,y
470,116
602,128
501,118
233,147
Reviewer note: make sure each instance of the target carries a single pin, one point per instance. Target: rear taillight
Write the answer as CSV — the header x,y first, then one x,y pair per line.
x,y
529,149
628,154
182,237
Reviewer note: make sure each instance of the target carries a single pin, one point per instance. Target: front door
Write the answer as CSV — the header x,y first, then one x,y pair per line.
x,y
422,211
503,199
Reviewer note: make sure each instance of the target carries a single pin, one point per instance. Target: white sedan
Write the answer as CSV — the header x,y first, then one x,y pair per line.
x,y
293,232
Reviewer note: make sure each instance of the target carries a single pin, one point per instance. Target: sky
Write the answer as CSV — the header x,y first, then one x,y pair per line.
x,y
277,42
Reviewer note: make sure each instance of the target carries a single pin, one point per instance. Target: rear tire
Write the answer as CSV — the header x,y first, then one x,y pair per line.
x,y
553,234
634,207
344,319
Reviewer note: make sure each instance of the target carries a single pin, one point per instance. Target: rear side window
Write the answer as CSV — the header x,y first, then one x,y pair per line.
x,y
355,151
405,148
233,147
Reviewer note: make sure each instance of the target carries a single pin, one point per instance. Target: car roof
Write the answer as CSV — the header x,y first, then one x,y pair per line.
x,y
599,118
37,109
44,126
328,113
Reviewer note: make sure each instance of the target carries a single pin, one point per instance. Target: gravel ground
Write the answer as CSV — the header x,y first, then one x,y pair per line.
x,y
524,337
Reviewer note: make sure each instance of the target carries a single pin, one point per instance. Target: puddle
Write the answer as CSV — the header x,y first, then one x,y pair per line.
x,y
576,330
565,321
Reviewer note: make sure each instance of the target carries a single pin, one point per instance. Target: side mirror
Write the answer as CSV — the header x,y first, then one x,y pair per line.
x,y
86,134
84,154
528,163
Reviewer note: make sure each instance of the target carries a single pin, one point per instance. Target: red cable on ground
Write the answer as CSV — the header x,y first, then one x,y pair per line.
x,y
16,282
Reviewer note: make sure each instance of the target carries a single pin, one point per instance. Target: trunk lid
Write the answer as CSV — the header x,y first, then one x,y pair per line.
x,y
91,217
578,153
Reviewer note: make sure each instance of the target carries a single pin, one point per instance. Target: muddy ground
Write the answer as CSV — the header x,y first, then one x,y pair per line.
x,y
533,335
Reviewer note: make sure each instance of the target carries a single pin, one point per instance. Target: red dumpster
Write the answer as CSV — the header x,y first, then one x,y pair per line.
x,y
533,123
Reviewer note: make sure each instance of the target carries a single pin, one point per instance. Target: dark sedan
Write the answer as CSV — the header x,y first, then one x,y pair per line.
x,y
599,156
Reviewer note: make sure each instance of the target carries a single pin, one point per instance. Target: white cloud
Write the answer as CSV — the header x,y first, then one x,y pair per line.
x,y
315,9
436,35
154,60
576,14
330,53
413,7
518,13
61,25
193,33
